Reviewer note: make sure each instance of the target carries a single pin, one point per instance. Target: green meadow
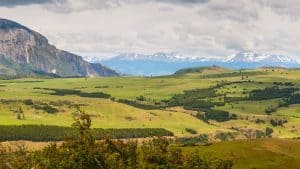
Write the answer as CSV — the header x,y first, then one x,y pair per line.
x,y
259,153
110,113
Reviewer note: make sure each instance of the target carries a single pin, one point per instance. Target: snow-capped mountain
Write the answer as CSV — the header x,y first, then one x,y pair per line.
x,y
168,63
145,64
160,56
251,57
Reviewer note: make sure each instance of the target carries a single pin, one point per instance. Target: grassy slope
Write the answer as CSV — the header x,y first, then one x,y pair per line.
x,y
260,153
110,114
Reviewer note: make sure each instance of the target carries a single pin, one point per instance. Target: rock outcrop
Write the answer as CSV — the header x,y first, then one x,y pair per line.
x,y
24,51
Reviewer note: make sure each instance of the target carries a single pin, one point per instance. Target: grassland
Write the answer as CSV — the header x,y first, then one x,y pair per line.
x,y
108,113
260,153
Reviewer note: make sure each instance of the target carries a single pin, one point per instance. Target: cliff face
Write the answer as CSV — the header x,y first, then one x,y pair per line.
x,y
24,51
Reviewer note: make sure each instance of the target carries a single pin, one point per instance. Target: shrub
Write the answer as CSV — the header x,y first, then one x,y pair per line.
x,y
269,131
192,131
270,110
192,141
28,102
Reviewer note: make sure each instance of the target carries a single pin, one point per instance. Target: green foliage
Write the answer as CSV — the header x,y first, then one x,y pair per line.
x,y
190,96
45,107
192,141
63,92
139,105
218,115
269,131
270,110
293,99
57,133
271,93
260,134
192,131
28,102
225,136
141,98
278,122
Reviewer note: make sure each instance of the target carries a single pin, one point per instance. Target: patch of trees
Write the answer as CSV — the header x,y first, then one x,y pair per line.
x,y
225,136
57,133
258,121
46,108
293,99
194,100
234,99
269,131
255,134
190,97
271,93
278,122
64,92
193,141
84,152
284,84
102,87
218,115
139,104
269,110
259,134
191,131
211,114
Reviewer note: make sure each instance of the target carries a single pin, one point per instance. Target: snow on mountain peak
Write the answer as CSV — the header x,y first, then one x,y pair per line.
x,y
255,57
159,56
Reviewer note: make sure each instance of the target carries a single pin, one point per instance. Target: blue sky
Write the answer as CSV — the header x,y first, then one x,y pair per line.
x,y
204,28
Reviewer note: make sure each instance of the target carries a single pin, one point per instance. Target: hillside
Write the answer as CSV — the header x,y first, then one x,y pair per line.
x,y
26,52
248,116
261,153
202,70
244,102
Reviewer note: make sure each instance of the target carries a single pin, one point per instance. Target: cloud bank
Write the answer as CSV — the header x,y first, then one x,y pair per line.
x,y
209,28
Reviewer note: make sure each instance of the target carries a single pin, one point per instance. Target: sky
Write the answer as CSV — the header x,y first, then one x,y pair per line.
x,y
201,28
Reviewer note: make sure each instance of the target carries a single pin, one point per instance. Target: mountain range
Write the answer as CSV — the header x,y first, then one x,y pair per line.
x,y
168,63
26,52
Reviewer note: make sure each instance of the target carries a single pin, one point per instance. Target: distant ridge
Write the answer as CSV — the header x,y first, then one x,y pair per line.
x,y
26,52
205,69
251,57
168,63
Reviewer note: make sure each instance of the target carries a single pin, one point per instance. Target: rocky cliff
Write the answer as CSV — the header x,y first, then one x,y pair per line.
x,y
24,51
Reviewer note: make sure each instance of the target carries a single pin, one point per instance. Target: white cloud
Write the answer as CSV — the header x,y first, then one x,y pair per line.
x,y
211,28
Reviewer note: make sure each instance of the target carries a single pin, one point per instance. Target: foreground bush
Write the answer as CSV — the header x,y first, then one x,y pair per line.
x,y
83,152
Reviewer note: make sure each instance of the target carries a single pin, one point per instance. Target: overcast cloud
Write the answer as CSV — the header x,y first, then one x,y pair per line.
x,y
209,28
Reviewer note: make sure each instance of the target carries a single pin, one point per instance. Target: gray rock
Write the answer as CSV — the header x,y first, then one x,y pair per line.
x,y
25,52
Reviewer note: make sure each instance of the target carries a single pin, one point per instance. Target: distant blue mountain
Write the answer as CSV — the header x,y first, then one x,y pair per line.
x,y
168,63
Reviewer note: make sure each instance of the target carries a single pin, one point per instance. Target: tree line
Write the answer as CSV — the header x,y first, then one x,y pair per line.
x,y
59,133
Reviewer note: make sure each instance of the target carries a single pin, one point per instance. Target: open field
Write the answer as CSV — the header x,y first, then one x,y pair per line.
x,y
260,153
110,113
